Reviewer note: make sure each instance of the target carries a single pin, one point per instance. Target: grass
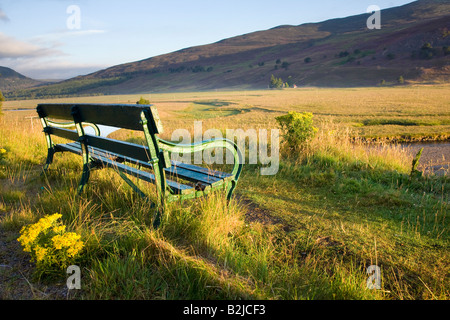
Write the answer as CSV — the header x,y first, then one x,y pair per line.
x,y
309,232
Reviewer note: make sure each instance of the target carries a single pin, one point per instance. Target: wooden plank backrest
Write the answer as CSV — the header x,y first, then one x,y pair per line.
x,y
117,115
55,111
114,115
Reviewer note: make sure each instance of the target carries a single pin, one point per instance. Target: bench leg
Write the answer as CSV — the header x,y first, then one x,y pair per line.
x,y
48,162
230,192
84,178
157,221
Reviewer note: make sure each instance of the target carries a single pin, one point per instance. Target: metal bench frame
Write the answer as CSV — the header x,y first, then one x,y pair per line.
x,y
127,158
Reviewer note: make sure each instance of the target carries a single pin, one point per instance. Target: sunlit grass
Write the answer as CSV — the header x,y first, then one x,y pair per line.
x,y
309,232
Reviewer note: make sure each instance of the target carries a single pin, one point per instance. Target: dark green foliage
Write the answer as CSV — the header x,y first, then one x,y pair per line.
x,y
308,60
276,83
143,101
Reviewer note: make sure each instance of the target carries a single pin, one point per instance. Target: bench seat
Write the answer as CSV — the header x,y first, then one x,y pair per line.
x,y
203,177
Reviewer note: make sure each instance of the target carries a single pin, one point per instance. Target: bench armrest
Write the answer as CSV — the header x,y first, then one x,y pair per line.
x,y
207,144
72,124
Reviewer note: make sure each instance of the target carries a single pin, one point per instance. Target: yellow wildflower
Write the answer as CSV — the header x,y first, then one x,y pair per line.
x,y
40,253
59,229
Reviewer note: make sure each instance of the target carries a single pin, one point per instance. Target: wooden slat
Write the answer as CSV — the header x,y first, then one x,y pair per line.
x,y
178,188
213,173
192,176
126,149
70,147
55,111
115,115
63,133
118,115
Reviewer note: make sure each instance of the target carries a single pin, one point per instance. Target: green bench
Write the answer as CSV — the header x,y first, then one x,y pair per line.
x,y
174,180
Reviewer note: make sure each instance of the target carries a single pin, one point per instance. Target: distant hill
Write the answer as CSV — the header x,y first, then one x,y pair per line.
x,y
413,44
11,80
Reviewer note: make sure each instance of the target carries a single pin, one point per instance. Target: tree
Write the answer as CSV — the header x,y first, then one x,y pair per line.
x,y
276,83
308,60
401,80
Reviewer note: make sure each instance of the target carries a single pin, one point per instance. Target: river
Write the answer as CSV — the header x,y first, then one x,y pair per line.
x,y
435,156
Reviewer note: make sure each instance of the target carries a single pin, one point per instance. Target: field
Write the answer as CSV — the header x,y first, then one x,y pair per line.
x,y
308,232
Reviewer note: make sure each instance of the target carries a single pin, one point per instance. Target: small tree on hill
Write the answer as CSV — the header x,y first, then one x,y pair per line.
x,y
276,83
143,101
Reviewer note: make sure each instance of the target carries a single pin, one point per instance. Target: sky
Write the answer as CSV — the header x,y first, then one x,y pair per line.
x,y
60,39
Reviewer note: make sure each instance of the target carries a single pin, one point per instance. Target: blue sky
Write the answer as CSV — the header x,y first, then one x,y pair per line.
x,y
36,40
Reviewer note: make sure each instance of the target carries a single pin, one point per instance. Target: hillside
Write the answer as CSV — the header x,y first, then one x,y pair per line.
x,y
11,80
413,43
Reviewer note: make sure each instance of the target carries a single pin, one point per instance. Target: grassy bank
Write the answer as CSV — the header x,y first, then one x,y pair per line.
x,y
309,232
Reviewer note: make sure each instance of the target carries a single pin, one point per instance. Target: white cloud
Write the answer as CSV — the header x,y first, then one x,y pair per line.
x,y
15,49
39,58
66,34
39,61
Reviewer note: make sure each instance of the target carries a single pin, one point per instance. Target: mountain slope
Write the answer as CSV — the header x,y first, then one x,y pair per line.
x,y
11,80
413,43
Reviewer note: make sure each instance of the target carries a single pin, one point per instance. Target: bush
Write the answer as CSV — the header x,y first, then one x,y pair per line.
x,y
297,130
143,101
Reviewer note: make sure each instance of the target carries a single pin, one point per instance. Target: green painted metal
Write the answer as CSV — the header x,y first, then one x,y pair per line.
x,y
99,152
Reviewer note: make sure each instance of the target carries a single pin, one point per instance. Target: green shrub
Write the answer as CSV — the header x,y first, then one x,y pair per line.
x,y
143,101
297,129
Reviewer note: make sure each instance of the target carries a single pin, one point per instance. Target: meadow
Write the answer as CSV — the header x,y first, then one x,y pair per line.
x,y
308,232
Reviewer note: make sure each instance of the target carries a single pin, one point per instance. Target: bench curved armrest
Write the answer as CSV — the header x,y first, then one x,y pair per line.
x,y
72,124
207,144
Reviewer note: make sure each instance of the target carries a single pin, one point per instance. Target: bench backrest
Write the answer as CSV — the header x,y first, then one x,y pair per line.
x,y
134,117
114,115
